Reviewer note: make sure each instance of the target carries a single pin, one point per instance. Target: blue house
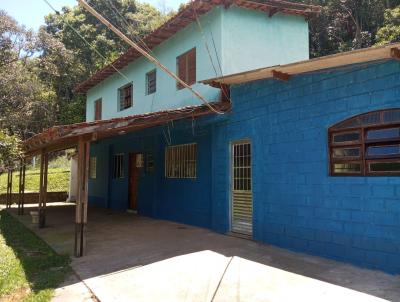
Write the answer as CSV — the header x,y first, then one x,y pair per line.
x,y
306,155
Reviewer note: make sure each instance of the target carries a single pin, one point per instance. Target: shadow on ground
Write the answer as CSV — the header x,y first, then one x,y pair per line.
x,y
42,268
130,257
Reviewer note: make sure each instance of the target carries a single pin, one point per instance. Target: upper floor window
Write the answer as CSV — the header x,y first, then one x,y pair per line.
x,y
186,68
181,161
151,82
367,144
125,96
98,109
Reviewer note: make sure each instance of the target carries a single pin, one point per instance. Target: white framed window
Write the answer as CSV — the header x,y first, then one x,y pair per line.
x,y
93,167
118,166
181,161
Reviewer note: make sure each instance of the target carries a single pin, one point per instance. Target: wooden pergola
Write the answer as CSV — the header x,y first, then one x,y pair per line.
x,y
80,136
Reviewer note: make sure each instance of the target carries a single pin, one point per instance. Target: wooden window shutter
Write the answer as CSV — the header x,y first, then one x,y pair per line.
x,y
181,68
98,109
191,68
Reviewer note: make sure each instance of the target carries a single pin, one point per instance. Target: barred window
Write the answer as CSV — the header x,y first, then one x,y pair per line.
x,y
367,144
181,161
93,167
151,82
125,96
118,166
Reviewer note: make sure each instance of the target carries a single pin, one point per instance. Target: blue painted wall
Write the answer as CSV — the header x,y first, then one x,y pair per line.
x,y
296,204
157,196
277,40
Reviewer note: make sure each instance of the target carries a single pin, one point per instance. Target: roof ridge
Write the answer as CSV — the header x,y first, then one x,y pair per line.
x,y
183,18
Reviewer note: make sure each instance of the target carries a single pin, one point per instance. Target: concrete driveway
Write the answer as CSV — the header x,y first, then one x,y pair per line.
x,y
133,258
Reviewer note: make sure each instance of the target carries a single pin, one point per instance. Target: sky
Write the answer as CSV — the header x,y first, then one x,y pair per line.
x,y
31,12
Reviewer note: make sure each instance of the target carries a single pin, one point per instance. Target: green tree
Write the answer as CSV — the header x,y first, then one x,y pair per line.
x,y
390,32
9,150
344,25
25,103
67,60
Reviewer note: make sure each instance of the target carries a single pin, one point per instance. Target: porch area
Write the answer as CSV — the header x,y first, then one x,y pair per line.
x,y
135,258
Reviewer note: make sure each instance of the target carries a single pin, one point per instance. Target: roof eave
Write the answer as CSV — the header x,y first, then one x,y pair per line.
x,y
186,17
386,52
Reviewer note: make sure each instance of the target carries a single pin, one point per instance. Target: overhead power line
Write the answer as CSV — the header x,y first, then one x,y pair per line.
x,y
146,54
87,42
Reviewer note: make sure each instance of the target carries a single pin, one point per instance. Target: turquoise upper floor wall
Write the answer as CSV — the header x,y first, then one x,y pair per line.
x,y
238,40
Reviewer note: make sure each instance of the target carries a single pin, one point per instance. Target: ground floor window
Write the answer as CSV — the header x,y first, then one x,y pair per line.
x,y
118,166
93,167
367,144
181,161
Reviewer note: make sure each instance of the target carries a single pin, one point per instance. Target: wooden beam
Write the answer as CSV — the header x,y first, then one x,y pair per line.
x,y
23,187
227,3
395,53
280,75
44,163
82,199
273,11
21,167
9,188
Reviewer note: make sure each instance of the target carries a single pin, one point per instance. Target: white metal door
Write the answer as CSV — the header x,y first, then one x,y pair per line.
x,y
242,197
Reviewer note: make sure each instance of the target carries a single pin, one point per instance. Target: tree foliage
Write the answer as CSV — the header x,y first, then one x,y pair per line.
x,y
344,25
390,31
9,150
38,71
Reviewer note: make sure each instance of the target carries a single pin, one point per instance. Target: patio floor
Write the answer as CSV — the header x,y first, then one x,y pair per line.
x,y
134,258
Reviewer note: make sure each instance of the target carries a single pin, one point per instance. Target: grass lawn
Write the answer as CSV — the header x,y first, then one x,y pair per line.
x,y
29,269
58,180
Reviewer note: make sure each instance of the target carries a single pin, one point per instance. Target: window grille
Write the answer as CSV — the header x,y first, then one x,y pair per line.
x,y
93,167
151,82
118,166
181,161
125,97
367,144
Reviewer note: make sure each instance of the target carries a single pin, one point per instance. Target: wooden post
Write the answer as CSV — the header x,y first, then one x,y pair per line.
x,y
23,187
9,188
20,187
44,163
82,198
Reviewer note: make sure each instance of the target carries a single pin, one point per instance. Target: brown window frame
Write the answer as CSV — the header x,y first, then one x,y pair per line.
x,y
151,83
98,108
364,124
125,101
186,69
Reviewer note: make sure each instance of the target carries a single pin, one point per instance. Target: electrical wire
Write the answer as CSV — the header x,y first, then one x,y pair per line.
x,y
209,52
128,25
87,42
147,55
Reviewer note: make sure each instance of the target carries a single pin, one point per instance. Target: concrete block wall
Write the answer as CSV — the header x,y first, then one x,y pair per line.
x,y
297,205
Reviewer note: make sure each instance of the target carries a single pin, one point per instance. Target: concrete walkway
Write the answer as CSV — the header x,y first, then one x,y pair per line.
x,y
133,258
